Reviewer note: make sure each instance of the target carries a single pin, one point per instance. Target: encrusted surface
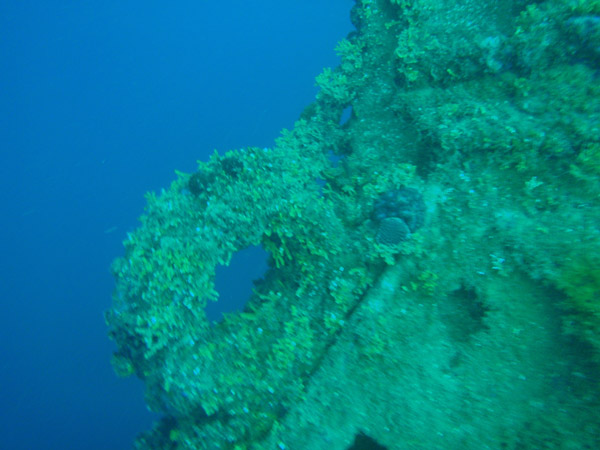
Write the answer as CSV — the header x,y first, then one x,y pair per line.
x,y
476,125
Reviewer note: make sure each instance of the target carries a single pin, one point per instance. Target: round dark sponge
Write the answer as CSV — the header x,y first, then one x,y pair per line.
x,y
404,203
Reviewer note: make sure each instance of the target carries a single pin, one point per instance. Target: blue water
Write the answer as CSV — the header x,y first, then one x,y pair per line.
x,y
100,102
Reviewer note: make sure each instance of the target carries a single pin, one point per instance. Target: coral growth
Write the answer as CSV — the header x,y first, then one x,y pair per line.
x,y
489,111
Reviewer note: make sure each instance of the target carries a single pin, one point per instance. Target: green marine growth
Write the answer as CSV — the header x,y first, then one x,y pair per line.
x,y
248,368
580,280
472,146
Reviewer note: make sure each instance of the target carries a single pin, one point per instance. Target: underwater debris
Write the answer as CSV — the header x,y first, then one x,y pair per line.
x,y
337,339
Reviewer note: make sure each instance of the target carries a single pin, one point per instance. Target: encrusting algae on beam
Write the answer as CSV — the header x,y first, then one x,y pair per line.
x,y
445,265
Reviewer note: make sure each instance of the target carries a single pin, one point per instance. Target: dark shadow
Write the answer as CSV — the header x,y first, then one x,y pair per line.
x,y
463,313
235,282
364,442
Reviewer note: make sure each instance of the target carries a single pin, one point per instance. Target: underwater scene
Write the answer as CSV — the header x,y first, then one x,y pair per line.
x,y
431,225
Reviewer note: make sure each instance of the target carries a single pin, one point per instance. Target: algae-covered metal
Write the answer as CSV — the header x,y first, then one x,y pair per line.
x,y
472,322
